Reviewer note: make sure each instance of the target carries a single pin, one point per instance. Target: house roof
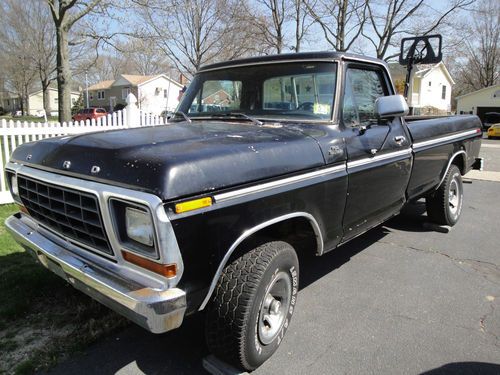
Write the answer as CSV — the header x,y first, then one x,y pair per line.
x,y
142,80
399,71
133,79
424,72
136,80
102,85
480,90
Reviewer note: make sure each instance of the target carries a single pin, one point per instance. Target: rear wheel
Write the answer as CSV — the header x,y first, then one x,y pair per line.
x,y
252,305
444,206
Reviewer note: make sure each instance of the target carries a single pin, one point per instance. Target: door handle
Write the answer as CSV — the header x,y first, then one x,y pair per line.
x,y
399,139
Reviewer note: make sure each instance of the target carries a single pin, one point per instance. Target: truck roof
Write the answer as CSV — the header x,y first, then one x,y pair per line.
x,y
319,55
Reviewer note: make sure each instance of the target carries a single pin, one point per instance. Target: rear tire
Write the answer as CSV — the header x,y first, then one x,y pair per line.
x,y
444,206
252,305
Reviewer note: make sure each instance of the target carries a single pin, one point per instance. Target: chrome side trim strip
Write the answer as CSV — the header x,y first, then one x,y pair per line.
x,y
377,158
449,165
248,233
278,183
448,138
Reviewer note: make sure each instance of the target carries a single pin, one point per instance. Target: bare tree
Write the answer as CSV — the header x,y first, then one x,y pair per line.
x,y
42,42
18,65
65,13
143,57
197,31
302,22
480,66
342,21
270,23
389,20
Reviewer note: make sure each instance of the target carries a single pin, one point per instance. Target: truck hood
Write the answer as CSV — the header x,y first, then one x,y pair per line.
x,y
177,160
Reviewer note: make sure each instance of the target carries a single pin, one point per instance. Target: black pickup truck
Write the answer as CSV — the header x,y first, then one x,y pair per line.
x,y
266,159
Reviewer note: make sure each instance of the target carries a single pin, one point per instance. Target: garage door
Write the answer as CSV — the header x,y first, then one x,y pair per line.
x,y
482,110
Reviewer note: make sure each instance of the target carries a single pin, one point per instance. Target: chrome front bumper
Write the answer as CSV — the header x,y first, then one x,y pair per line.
x,y
156,310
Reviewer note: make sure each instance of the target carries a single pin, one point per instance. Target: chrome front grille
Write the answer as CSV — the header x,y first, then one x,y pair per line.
x,y
70,213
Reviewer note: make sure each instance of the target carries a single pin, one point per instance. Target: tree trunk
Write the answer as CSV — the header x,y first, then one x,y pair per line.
x,y
63,75
46,96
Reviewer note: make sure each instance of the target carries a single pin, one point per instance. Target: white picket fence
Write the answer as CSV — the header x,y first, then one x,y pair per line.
x,y
15,133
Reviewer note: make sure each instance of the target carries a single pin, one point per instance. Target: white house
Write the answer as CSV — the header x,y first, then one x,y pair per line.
x,y
431,91
480,102
35,101
154,93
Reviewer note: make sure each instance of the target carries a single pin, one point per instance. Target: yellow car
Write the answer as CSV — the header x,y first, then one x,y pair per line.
x,y
494,130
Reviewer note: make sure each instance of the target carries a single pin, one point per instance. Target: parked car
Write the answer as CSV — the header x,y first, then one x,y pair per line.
x,y
212,212
494,130
89,114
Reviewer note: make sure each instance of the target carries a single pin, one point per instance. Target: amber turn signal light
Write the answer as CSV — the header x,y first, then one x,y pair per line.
x,y
167,270
193,205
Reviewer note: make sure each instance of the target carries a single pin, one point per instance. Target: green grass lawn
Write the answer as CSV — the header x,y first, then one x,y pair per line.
x,y
29,118
42,318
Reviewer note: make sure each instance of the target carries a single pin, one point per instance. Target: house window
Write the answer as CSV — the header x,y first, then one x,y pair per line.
x,y
73,101
125,93
91,96
430,83
443,93
100,95
165,93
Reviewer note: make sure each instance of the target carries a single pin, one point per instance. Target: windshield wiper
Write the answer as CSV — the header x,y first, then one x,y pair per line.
x,y
238,114
175,114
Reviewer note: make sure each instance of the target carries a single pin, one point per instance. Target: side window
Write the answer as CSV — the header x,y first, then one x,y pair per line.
x,y
362,88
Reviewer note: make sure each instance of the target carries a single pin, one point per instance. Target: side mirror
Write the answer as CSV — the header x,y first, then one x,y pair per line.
x,y
391,106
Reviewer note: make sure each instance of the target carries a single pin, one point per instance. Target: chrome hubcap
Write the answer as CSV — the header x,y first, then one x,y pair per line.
x,y
454,196
274,307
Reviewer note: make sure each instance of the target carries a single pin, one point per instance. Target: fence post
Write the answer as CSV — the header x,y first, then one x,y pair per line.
x,y
132,112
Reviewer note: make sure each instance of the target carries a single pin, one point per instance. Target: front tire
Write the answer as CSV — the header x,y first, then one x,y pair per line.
x,y
444,206
252,305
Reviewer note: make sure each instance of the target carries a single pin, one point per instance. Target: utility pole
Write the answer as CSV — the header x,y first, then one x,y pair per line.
x,y
86,90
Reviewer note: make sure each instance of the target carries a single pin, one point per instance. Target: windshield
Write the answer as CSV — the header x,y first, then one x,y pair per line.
x,y
276,91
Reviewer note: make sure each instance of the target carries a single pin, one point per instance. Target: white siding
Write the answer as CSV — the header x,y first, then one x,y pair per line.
x,y
152,95
431,96
488,97
36,101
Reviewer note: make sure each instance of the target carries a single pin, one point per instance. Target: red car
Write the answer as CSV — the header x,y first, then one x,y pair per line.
x,y
89,114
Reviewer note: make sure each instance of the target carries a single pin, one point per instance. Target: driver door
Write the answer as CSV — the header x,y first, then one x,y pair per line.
x,y
379,153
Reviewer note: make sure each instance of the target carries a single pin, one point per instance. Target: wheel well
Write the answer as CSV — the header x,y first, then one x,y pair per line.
x,y
297,231
458,160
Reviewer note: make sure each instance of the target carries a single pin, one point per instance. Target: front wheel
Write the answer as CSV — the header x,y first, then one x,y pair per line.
x,y
252,305
444,206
